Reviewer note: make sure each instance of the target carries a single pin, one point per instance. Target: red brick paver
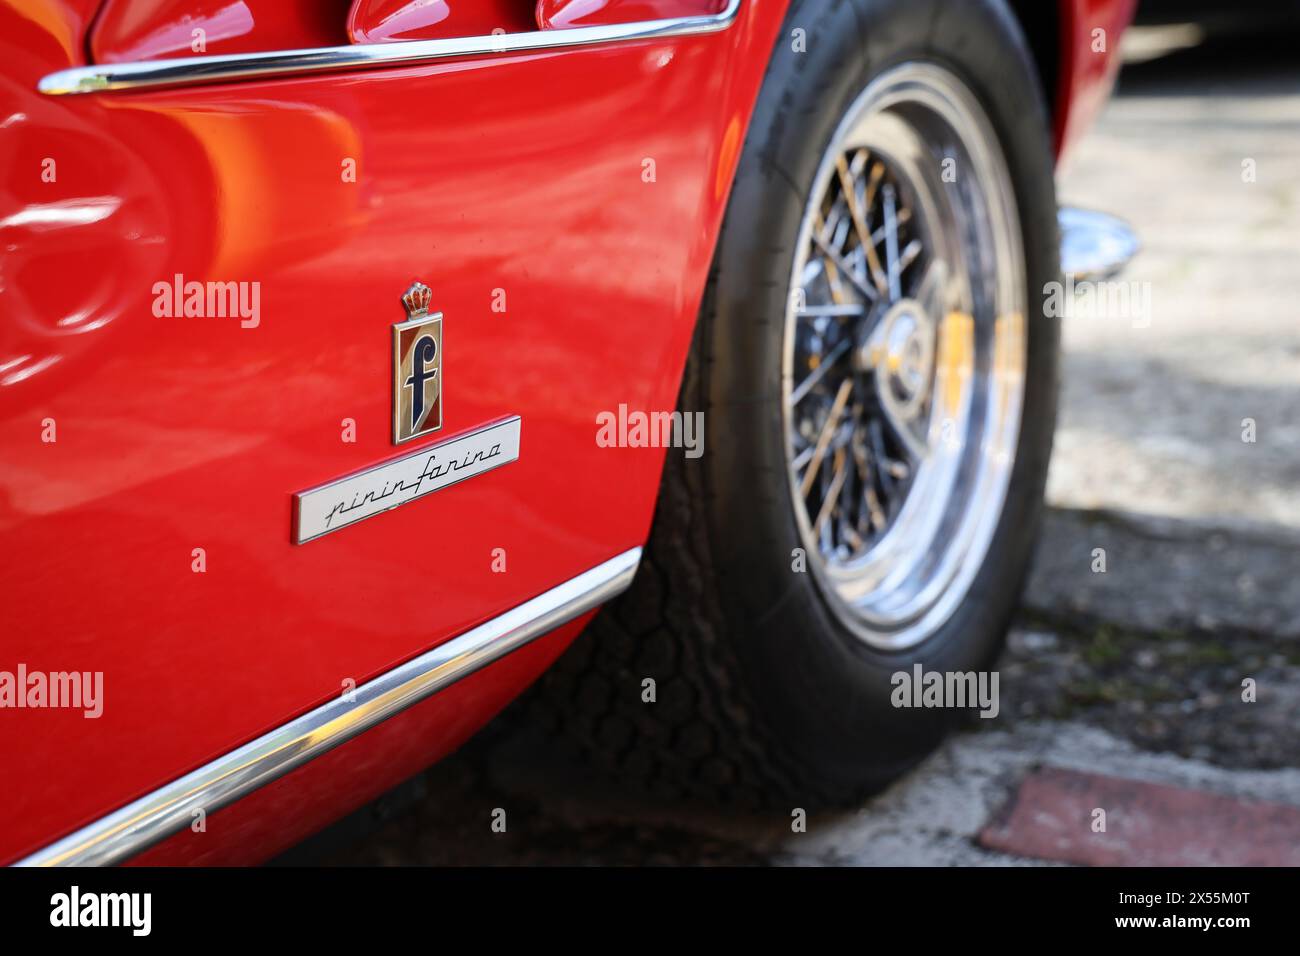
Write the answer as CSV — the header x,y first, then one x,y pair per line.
x,y
1050,817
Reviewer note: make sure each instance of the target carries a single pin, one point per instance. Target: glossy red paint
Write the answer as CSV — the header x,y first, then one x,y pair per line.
x,y
127,30
58,27
565,14
176,434
378,21
1089,63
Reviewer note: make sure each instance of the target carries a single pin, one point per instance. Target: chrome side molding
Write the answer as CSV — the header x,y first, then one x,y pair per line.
x,y
168,810
191,70
1095,245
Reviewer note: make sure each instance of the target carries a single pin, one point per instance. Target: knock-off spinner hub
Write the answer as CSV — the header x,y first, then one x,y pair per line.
x,y
900,352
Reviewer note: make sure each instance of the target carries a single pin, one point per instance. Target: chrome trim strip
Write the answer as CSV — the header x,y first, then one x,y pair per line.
x,y
186,71
1095,245
169,809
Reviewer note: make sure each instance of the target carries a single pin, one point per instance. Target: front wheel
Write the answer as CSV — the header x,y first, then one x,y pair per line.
x,y
880,395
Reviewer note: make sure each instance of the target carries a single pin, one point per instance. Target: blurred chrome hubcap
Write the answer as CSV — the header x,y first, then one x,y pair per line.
x,y
905,353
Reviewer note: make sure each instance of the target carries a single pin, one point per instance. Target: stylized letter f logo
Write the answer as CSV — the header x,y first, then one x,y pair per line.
x,y
423,353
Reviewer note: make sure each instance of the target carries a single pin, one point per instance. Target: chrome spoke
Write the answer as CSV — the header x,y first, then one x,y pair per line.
x,y
801,460
910,255
848,187
819,373
832,494
891,244
904,217
903,430
848,310
891,470
827,432
843,266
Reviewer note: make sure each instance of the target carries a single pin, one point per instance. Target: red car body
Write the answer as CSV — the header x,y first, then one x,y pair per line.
x,y
513,178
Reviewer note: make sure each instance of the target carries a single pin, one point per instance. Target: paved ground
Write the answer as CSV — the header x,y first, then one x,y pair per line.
x,y
1154,404
1121,690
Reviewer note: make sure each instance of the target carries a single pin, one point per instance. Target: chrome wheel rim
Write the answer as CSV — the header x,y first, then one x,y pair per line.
x,y
904,356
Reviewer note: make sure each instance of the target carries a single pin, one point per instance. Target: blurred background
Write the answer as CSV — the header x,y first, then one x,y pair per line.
x,y
1177,469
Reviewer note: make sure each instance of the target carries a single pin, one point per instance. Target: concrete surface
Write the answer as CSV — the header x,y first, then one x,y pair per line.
x,y
1152,418
1132,674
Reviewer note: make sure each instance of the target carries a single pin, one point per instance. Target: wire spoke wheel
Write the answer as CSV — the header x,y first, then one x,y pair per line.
x,y
904,355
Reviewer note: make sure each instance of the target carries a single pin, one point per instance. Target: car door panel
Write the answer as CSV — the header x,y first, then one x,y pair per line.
x,y
516,179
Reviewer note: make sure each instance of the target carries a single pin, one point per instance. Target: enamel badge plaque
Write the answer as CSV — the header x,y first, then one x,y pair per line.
x,y
417,368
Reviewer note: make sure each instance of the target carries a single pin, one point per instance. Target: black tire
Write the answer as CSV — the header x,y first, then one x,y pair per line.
x,y
763,697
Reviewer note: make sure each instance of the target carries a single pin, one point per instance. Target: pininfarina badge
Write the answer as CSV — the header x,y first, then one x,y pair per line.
x,y
348,500
417,367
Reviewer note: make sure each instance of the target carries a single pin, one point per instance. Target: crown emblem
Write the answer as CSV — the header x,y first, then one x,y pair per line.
x,y
416,300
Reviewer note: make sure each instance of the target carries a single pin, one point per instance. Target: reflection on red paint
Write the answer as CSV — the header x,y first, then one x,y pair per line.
x,y
129,30
378,21
566,14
